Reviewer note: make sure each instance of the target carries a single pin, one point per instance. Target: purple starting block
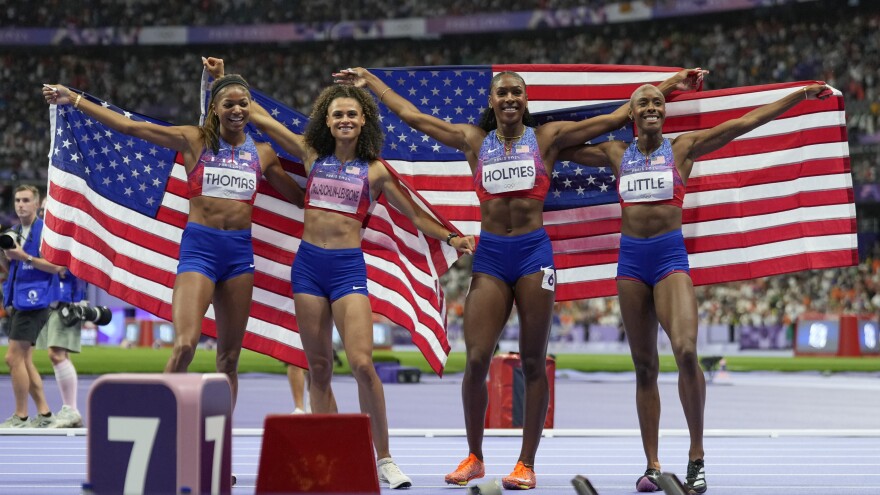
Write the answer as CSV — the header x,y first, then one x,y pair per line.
x,y
160,433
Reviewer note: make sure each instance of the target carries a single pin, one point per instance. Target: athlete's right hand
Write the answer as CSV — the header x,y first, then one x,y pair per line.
x,y
56,94
351,77
214,66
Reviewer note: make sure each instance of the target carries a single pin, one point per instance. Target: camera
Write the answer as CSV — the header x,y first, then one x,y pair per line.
x,y
9,239
76,313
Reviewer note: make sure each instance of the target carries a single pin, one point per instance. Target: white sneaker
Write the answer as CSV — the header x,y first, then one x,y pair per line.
x,y
15,422
68,417
298,411
40,421
391,474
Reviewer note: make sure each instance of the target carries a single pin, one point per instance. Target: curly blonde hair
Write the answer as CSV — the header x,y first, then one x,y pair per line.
x,y
318,136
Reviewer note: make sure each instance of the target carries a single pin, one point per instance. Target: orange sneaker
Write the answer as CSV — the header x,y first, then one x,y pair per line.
x,y
522,478
469,469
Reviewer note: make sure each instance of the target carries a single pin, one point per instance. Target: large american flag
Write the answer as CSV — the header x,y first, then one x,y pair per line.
x,y
117,207
778,199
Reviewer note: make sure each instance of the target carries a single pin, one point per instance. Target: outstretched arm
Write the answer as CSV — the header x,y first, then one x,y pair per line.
x,y
458,136
278,177
696,144
390,186
608,153
565,134
178,138
291,142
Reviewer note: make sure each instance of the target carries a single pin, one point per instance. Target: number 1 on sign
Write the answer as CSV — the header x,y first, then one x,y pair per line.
x,y
215,426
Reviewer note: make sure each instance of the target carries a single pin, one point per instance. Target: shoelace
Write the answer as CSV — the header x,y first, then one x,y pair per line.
x,y
392,469
522,472
693,473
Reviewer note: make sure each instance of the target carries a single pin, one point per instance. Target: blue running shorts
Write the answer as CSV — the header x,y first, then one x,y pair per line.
x,y
510,258
651,260
217,254
330,273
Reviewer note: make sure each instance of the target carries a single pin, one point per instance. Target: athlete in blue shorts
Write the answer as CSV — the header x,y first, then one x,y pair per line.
x,y
223,166
340,151
511,162
653,280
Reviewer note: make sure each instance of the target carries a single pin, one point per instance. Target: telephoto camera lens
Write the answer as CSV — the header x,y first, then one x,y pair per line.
x,y
99,315
7,239
74,313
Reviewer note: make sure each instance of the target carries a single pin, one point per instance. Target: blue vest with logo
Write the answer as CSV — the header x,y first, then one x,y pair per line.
x,y
28,288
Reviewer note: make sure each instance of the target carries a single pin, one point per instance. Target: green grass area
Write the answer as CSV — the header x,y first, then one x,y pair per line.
x,y
100,360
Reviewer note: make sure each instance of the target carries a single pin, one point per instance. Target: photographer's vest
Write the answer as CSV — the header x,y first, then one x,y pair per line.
x,y
68,289
28,288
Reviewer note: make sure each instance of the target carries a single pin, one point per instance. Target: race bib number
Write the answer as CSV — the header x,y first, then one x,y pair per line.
x,y
651,185
549,280
334,194
229,183
509,175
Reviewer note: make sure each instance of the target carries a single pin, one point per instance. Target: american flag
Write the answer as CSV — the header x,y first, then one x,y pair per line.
x,y
117,207
778,199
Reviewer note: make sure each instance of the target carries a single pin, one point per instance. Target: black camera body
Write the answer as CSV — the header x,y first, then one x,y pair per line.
x,y
78,313
9,239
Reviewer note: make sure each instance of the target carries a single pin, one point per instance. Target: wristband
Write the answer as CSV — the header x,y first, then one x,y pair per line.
x,y
450,237
76,102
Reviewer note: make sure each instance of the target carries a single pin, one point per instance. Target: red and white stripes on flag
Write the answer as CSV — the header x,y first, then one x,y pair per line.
x,y
115,245
778,199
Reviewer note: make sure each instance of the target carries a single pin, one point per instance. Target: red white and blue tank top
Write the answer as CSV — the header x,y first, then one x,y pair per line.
x,y
650,179
231,173
339,187
521,174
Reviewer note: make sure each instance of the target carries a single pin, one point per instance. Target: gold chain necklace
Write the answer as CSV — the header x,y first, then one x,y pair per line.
x,y
508,145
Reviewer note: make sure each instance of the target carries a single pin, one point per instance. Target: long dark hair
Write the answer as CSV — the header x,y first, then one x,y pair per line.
x,y
210,131
487,120
319,137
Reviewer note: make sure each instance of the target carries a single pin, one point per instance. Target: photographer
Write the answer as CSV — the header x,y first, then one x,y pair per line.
x,y
27,293
61,336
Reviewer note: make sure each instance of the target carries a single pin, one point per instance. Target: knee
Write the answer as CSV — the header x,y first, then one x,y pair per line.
x,y
56,357
184,350
534,368
478,364
687,360
227,362
647,372
362,369
12,358
320,372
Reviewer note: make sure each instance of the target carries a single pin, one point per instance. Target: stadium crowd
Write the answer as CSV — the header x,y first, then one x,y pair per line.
x,y
840,45
134,13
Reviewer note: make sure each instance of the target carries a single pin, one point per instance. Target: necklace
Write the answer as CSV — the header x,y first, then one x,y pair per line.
x,y
508,141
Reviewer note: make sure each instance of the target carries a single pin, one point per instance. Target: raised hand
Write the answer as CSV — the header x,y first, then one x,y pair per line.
x,y
691,79
817,92
56,94
214,66
351,77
